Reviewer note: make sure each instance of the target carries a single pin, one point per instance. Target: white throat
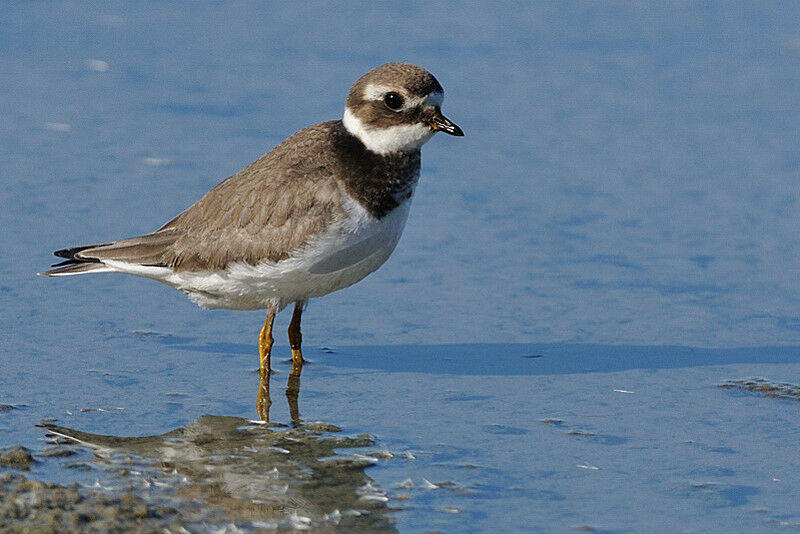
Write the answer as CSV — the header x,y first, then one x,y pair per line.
x,y
402,138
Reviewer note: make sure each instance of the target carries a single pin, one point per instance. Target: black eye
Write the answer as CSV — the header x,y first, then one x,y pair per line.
x,y
393,100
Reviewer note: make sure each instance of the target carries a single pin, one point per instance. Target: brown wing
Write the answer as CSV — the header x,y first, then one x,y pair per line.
x,y
265,211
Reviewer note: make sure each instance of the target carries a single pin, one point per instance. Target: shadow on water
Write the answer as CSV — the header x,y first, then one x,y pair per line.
x,y
220,469
517,359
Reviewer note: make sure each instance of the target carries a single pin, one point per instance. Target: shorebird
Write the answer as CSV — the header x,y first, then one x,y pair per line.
x,y
316,214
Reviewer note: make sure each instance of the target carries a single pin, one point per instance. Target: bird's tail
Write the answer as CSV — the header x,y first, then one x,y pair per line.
x,y
143,251
76,265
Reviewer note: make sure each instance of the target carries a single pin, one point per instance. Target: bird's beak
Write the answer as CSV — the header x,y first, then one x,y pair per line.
x,y
440,123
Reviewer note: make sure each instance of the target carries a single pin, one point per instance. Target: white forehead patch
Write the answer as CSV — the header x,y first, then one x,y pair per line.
x,y
376,92
435,99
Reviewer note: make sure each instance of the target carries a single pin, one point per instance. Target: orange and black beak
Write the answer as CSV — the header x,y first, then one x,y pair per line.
x,y
440,123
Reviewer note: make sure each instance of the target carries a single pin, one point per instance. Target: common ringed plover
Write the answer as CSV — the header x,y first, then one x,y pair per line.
x,y
316,214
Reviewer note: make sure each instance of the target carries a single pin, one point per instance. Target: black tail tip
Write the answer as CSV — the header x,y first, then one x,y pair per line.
x,y
69,253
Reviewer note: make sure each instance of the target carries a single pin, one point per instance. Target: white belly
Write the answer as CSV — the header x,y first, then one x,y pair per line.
x,y
336,259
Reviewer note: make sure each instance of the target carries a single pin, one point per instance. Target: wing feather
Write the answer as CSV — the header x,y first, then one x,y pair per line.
x,y
268,210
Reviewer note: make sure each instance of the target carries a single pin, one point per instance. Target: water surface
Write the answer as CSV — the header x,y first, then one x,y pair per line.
x,y
627,188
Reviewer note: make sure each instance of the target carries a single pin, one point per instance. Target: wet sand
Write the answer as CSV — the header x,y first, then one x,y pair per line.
x,y
213,474
30,506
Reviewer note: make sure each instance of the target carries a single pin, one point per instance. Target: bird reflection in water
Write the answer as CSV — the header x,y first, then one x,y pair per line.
x,y
264,399
254,474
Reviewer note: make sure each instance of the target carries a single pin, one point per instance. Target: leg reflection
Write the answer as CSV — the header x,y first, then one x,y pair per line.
x,y
263,400
292,392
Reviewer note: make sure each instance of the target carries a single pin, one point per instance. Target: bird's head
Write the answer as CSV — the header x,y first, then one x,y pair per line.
x,y
396,108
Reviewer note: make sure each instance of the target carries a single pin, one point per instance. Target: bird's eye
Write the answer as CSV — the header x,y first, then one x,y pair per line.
x,y
393,101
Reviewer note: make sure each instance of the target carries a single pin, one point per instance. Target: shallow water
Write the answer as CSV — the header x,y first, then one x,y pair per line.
x,y
629,176
454,437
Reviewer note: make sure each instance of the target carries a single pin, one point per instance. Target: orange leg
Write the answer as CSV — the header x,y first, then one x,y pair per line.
x,y
265,340
296,339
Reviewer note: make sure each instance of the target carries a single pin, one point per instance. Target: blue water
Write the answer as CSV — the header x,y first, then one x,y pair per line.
x,y
628,177
472,438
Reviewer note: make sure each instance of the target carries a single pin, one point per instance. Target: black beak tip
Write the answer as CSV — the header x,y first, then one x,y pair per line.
x,y
440,123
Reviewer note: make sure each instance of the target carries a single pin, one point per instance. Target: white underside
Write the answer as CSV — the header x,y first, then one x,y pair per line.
x,y
334,260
